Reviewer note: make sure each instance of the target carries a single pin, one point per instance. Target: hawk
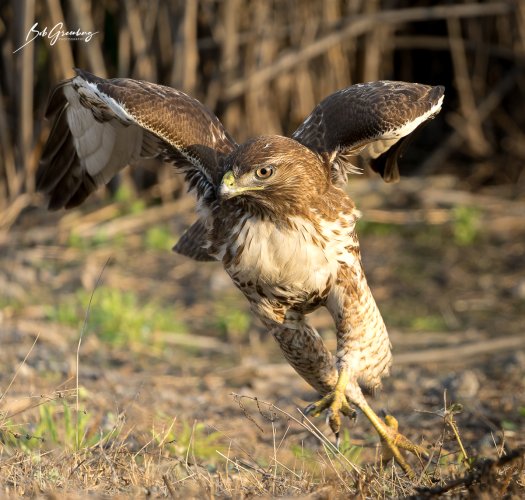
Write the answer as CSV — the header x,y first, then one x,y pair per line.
x,y
272,210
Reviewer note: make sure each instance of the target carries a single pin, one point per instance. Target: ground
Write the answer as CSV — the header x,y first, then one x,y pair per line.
x,y
130,370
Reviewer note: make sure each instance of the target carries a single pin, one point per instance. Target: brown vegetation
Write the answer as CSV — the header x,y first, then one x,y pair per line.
x,y
262,66
119,358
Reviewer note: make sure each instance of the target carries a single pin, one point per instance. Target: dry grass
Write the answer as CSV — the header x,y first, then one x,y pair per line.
x,y
121,464
174,392
262,68
135,398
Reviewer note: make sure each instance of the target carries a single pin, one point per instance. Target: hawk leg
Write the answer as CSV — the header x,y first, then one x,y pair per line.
x,y
391,438
304,349
337,402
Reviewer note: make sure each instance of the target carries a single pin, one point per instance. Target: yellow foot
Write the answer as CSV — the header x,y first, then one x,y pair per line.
x,y
399,440
335,403
393,441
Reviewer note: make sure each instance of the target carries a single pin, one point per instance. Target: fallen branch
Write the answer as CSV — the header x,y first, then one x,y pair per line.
x,y
481,473
437,355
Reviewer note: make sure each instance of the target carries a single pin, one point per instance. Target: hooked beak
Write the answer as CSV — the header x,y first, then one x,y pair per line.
x,y
229,187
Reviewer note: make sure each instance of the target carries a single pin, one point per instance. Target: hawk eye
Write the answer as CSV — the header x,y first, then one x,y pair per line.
x,y
264,172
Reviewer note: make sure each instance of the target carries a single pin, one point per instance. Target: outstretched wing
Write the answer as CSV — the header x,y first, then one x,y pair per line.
x,y
372,120
100,126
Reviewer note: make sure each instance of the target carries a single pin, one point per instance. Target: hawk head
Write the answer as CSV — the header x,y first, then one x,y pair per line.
x,y
274,174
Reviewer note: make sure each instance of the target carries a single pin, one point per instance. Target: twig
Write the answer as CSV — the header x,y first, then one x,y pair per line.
x,y
169,486
483,470
77,367
306,424
2,396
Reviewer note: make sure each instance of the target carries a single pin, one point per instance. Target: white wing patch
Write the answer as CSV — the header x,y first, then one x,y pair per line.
x,y
388,139
103,147
409,127
117,107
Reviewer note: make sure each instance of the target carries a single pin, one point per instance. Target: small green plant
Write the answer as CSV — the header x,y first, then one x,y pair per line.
x,y
124,194
350,451
99,239
158,238
193,442
311,459
116,316
365,227
130,203
466,225
230,320
75,240
57,425
429,322
401,315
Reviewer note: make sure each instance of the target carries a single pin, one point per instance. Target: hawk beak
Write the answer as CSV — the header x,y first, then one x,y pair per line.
x,y
229,187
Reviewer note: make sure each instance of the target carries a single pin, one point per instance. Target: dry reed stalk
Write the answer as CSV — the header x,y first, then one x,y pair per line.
x,y
456,138
124,48
9,178
143,67
82,16
471,122
24,14
357,26
164,37
63,63
230,59
186,55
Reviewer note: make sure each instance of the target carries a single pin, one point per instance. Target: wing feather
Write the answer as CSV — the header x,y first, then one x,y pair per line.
x,y
100,126
194,242
370,121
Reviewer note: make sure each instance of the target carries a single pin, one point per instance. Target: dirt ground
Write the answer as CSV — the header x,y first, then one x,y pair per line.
x,y
169,410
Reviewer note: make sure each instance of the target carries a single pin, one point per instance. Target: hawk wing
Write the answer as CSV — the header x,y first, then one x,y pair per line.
x,y
100,126
371,120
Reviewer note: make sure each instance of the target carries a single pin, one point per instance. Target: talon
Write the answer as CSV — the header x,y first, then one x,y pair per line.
x,y
336,403
348,411
337,440
334,421
314,409
308,409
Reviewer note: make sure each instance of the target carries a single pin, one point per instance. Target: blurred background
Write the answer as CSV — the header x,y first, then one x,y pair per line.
x,y
262,67
168,338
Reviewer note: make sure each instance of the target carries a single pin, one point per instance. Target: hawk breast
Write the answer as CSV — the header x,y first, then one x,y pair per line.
x,y
300,257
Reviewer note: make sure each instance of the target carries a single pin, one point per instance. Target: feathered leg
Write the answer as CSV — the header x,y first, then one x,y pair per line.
x,y
305,350
363,357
